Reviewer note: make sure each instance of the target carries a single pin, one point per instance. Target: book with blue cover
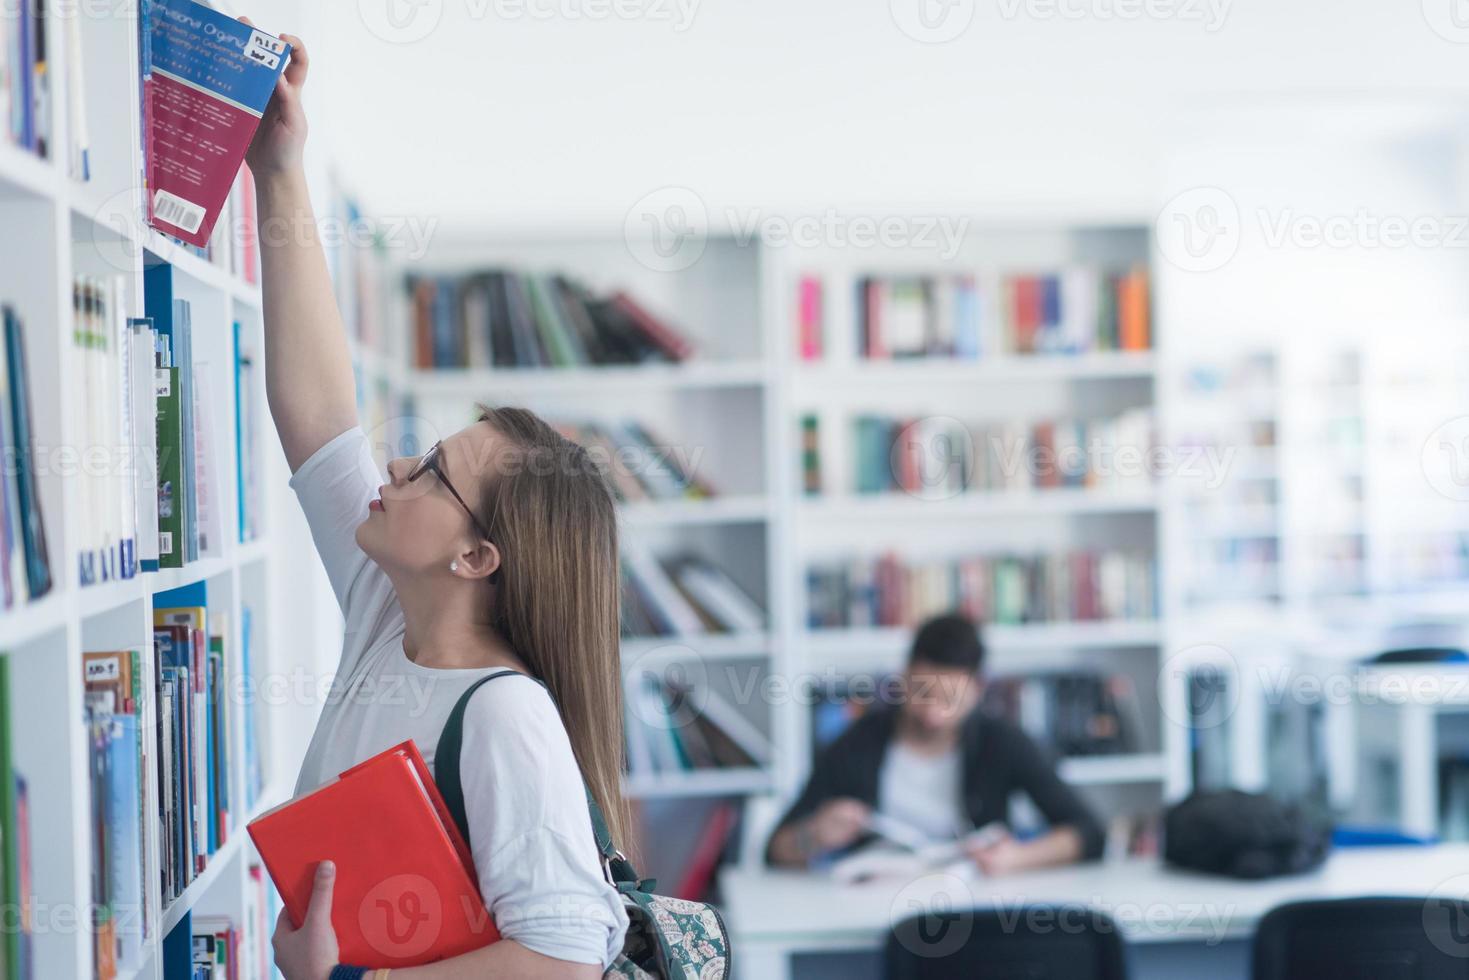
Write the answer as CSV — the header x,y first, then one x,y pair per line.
x,y
207,82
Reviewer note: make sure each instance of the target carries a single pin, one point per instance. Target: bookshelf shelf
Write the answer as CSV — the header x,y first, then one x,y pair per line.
x,y
903,507
687,376
1007,369
733,509
25,174
656,651
1113,769
892,642
23,625
96,600
717,782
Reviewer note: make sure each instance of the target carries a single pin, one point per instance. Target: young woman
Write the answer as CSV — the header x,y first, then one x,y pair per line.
x,y
495,550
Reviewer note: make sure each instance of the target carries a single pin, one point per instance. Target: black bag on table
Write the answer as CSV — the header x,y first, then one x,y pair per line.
x,y
1244,835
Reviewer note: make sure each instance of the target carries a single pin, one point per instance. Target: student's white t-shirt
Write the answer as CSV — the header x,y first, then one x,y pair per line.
x,y
539,870
923,791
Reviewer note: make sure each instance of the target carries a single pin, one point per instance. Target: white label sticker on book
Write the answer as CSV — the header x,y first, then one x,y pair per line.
x,y
176,211
103,670
263,57
165,542
260,39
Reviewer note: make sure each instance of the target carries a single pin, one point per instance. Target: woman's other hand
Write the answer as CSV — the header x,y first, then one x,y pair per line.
x,y
310,952
281,137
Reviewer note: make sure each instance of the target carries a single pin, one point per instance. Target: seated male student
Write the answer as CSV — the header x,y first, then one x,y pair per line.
x,y
938,763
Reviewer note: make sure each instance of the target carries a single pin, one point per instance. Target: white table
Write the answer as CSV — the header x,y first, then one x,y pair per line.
x,y
775,914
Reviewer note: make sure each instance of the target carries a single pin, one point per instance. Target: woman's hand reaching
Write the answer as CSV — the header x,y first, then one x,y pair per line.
x,y
281,137
310,952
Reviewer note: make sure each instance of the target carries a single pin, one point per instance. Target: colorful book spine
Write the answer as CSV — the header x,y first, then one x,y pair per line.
x,y
28,491
170,468
809,326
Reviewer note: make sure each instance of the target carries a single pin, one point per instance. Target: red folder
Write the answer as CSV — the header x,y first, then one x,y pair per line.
x,y
406,891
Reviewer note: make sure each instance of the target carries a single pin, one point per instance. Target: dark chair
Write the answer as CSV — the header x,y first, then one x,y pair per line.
x,y
1040,942
1364,939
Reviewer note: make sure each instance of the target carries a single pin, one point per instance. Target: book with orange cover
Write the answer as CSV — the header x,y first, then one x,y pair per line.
x,y
406,892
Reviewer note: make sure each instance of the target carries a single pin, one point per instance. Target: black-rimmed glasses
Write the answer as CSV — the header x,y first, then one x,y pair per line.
x,y
430,461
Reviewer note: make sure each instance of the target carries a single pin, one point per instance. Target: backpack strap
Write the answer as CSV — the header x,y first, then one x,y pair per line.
x,y
618,868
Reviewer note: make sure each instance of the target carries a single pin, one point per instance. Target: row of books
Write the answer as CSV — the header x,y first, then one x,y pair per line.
x,y
507,319
115,359
639,466
17,884
187,754
190,524
118,764
936,456
153,500
190,688
25,84
671,728
1071,713
684,595
1076,586
25,559
1074,311
216,947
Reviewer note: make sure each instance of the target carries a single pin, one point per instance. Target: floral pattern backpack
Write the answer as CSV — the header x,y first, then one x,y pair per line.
x,y
667,938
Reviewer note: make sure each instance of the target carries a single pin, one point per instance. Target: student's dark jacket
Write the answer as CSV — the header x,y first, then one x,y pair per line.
x,y
997,758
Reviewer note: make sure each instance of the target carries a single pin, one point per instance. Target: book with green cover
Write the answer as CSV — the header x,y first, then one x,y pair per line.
x,y
170,468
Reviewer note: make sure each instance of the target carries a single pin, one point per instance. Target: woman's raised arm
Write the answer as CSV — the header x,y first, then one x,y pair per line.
x,y
308,367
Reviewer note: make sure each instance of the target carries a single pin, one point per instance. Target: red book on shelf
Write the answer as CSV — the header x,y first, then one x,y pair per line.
x,y
1029,313
705,859
664,337
406,891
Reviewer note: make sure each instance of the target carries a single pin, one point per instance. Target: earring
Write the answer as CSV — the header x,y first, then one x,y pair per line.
x,y
454,566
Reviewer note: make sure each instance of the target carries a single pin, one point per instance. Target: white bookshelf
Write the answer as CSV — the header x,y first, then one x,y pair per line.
x,y
58,229
741,400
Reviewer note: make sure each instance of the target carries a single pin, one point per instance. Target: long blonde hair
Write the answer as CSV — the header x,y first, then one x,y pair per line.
x,y
551,512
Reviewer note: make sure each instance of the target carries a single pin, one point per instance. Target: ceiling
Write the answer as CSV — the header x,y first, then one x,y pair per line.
x,y
536,113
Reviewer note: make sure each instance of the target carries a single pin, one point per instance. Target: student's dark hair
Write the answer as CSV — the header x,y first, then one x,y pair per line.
x,y
951,640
